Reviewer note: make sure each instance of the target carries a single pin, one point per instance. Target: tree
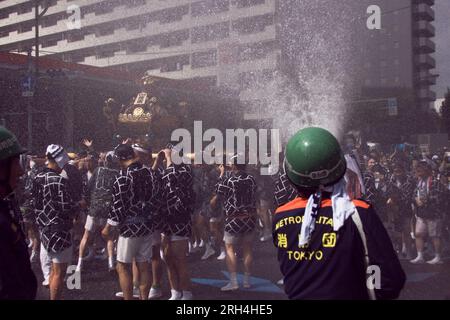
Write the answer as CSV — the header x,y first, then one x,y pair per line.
x,y
445,111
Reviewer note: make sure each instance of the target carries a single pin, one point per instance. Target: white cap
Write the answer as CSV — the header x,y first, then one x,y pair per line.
x,y
58,154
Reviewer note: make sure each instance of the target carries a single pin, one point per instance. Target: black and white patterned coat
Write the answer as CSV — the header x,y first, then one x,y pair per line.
x,y
54,209
178,200
284,191
133,191
239,198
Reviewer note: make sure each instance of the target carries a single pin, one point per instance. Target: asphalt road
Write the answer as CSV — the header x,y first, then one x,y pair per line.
x,y
423,281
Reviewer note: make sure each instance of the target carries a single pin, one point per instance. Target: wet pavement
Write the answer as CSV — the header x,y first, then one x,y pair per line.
x,y
423,281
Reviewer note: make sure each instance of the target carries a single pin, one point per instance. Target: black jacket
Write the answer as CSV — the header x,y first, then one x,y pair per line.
x,y
332,265
17,280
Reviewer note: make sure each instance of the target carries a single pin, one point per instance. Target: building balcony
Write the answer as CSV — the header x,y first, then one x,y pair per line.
x,y
423,11
424,29
424,45
425,94
428,2
425,61
425,78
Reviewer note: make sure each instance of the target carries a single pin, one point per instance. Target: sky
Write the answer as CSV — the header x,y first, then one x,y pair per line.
x,y
442,23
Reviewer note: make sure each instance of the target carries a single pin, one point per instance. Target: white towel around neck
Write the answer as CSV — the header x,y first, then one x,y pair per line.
x,y
341,204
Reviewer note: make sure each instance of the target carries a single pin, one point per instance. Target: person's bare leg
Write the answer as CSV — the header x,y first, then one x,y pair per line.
x,y
231,258
144,279
171,268
437,246
125,280
248,256
179,249
156,266
85,241
34,235
57,274
110,248
136,275
420,243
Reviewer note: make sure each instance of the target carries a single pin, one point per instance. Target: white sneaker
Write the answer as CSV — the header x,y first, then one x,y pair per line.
x,y
79,266
208,253
154,293
187,295
222,255
136,294
46,282
436,260
201,244
418,260
111,265
176,295
280,282
230,287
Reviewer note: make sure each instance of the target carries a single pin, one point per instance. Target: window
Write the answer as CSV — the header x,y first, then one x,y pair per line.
x,y
104,7
75,36
253,24
105,54
49,42
252,79
137,46
104,31
256,50
208,7
4,33
211,33
25,8
204,59
174,39
247,3
135,3
25,27
173,14
49,21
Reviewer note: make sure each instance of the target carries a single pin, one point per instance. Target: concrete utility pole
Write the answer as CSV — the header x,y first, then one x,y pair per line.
x,y
35,77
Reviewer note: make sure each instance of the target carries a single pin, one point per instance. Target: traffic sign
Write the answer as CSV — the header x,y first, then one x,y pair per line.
x,y
27,86
392,106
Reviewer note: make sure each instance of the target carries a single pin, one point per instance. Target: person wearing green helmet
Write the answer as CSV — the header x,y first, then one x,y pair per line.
x,y
17,280
328,244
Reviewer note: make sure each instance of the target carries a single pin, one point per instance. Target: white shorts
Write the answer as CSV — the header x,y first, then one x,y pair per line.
x,y
139,249
93,223
60,257
430,227
229,238
156,238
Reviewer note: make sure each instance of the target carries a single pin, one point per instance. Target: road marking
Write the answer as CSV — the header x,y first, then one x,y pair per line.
x,y
257,284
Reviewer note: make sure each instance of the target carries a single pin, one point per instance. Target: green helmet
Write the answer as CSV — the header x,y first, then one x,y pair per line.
x,y
314,158
9,146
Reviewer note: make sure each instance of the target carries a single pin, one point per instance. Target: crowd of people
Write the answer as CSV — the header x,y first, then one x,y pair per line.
x,y
141,212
